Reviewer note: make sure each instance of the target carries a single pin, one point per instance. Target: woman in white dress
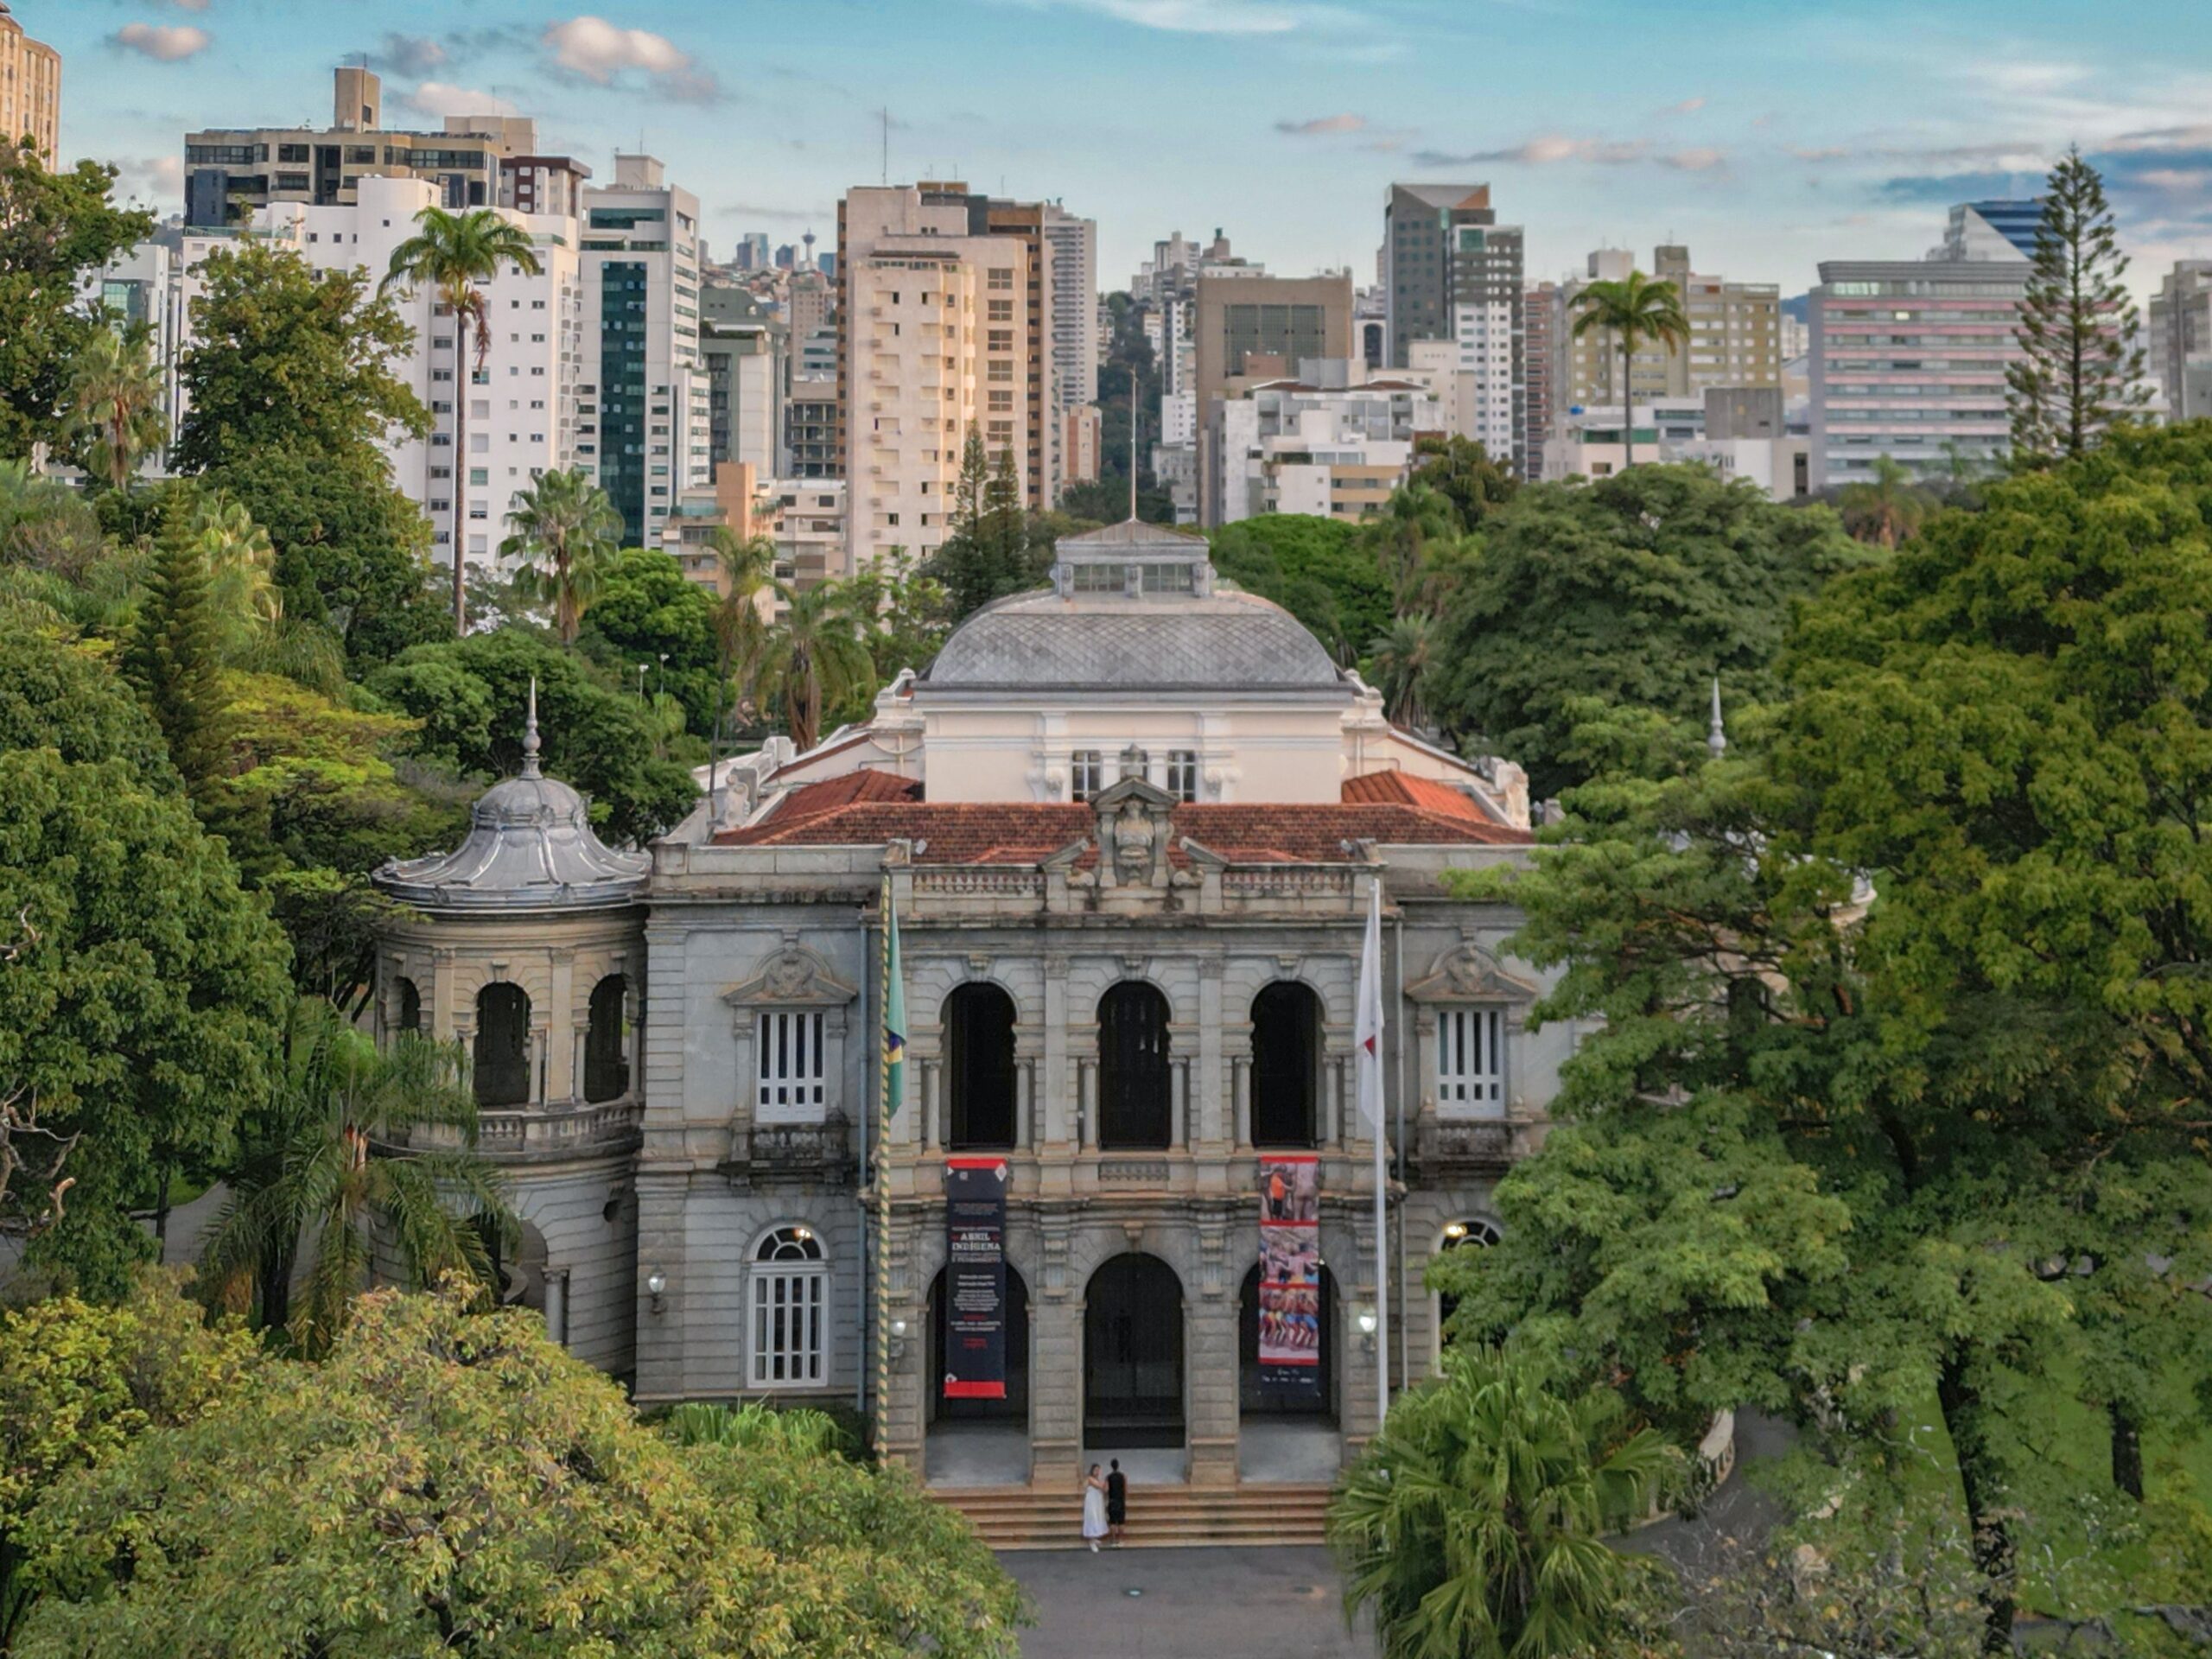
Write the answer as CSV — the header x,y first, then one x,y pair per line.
x,y
1094,1507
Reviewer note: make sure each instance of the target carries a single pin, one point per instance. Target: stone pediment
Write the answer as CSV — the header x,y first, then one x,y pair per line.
x,y
793,978
1467,973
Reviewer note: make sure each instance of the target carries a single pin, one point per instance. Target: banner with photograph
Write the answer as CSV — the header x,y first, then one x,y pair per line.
x,y
974,1278
1290,1278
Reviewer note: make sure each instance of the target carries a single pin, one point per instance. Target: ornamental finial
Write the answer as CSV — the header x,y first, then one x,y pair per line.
x,y
1716,734
529,733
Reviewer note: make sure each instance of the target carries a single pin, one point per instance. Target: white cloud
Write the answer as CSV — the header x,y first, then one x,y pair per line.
x,y
1321,126
164,42
152,178
600,52
1703,159
1215,16
439,98
411,55
1819,152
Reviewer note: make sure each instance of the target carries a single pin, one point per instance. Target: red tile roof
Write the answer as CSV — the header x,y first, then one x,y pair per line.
x,y
1025,832
1406,790
812,800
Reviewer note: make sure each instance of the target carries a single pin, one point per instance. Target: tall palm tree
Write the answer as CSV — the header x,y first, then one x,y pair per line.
x,y
450,253
564,531
815,658
1474,1523
1886,510
310,1174
1638,310
1403,656
745,572
115,404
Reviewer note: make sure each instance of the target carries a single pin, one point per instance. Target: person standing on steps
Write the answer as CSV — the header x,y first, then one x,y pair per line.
x,y
1117,1501
1094,1508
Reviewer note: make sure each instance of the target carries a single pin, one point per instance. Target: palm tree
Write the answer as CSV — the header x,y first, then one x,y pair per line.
x,y
1888,509
745,574
115,404
815,657
310,1171
564,532
1403,656
1638,310
451,253
1474,1523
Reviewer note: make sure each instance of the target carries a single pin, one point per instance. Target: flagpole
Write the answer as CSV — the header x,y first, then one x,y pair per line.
x,y
883,1193
1370,1061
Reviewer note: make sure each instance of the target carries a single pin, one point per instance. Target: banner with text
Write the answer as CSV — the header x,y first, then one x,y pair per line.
x,y
975,1278
1290,1279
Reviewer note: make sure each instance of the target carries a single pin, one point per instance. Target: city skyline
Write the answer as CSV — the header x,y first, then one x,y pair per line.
x,y
1596,124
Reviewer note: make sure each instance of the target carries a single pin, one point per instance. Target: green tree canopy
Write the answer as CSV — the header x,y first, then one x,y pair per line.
x,y
1637,590
469,695
564,536
287,357
68,698
1318,570
139,996
647,609
55,225
458,1484
1629,312
1465,474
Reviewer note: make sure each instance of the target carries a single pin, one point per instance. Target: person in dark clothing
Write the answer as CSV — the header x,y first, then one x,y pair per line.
x,y
1117,1501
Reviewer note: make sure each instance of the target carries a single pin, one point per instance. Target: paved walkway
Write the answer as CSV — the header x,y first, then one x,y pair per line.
x,y
1165,1604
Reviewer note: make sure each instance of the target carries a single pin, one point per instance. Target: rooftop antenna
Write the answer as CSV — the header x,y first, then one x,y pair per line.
x,y
886,145
1716,734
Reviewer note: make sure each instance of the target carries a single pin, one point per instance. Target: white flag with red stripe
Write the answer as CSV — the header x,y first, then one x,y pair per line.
x,y
1368,1034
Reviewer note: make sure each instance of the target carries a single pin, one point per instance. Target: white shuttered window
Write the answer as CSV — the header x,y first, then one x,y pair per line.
x,y
1471,1062
791,1083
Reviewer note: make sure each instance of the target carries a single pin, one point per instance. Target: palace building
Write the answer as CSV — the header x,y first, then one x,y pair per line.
x,y
1129,824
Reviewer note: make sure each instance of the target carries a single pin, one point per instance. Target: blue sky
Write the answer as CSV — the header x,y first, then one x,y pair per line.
x,y
1768,134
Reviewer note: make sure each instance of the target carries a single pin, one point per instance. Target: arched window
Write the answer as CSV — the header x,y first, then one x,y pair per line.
x,y
502,1058
1476,1234
1286,1073
410,1008
979,1067
606,1047
790,1302
1135,1107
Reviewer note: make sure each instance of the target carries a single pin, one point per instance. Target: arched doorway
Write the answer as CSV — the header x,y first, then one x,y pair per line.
x,y
1015,1408
1136,1106
1253,1399
979,1070
500,1065
1133,1354
1286,1073
411,1009
607,1046
1472,1233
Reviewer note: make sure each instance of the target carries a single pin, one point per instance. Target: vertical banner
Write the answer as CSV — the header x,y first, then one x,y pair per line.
x,y
974,1278
1290,1279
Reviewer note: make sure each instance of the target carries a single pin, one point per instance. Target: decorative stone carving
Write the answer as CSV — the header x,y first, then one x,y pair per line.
x,y
1467,973
793,977
1132,832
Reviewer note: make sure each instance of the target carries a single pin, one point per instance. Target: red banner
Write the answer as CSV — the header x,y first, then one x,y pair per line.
x,y
1290,1276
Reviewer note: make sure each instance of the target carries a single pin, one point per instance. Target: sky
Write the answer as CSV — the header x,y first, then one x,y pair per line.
x,y
1768,134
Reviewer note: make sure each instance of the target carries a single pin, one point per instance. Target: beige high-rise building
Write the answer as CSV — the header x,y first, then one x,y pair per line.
x,y
1735,336
1254,325
934,342
30,88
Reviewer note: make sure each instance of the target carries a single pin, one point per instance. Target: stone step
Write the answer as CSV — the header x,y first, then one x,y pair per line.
x,y
1160,1518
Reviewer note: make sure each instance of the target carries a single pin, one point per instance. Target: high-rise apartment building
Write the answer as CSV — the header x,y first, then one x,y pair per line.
x,y
935,339
1073,243
2178,358
747,353
1991,230
232,172
30,88
811,299
644,425
811,426
1540,322
1908,360
1451,271
1735,336
1251,325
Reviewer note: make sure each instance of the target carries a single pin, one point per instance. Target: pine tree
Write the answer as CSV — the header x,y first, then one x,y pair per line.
x,y
176,652
2082,371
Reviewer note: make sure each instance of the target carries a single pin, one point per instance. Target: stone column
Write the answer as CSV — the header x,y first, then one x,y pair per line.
x,y
901,1421
661,1248
563,1082
1211,1367
1211,1133
556,1305
1178,1096
442,1012
1056,1378
1086,1072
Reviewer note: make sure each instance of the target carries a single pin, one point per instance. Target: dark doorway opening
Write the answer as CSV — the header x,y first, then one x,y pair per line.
x,y
979,1067
607,1049
1285,1067
1253,1400
501,1061
1136,1108
1015,1408
1133,1354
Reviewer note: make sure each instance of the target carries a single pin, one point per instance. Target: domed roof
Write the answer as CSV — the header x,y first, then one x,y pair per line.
x,y
1133,608
531,846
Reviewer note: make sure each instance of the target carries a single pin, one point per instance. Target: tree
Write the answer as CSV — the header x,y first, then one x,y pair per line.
x,y
1320,570
1474,1523
564,534
46,525
140,996
1635,311
175,654
2081,372
650,615
1464,475
79,1381
67,697
55,227
1404,656
816,659
1637,590
458,1484
1887,509
989,550
114,415
468,694
289,357
450,253
908,612
310,1165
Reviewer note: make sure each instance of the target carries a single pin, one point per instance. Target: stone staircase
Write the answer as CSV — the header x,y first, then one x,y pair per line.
x,y
1160,1518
